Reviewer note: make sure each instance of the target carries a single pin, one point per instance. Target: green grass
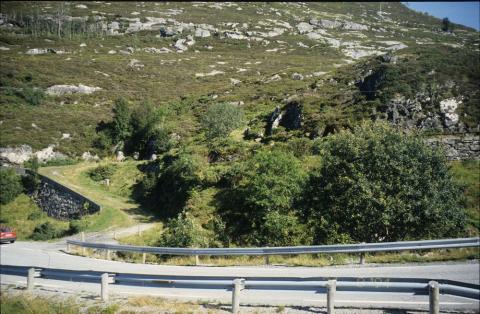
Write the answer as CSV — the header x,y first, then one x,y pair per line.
x,y
27,303
467,173
117,210
24,215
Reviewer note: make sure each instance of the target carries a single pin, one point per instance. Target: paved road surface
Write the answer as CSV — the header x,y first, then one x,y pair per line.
x,y
48,255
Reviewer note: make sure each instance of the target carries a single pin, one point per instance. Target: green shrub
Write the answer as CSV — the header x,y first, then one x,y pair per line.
x,y
121,128
77,225
378,184
33,96
10,185
220,119
282,230
102,172
173,185
184,231
46,231
30,182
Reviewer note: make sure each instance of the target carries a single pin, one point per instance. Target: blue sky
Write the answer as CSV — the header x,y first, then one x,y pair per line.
x,y
465,13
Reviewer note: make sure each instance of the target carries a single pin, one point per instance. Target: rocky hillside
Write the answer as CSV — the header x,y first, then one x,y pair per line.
x,y
297,69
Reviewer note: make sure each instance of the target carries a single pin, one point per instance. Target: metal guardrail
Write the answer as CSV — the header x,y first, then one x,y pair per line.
x,y
343,248
329,286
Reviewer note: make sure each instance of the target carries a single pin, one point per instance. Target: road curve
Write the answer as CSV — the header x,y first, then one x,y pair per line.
x,y
48,255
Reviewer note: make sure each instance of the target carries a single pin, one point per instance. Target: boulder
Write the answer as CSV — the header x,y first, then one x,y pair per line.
x,y
273,78
448,108
37,51
47,154
16,155
354,26
297,76
89,157
71,89
292,118
119,156
200,32
304,28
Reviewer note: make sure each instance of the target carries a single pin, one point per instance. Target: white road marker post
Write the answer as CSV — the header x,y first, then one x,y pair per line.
x,y
104,287
31,279
331,290
238,285
434,295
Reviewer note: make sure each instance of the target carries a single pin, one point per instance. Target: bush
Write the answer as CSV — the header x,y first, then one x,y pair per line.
x,y
282,230
220,119
377,184
77,225
10,185
46,231
30,183
102,172
184,231
33,96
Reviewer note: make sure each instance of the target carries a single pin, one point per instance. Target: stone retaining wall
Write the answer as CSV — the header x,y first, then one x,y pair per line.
x,y
60,201
458,147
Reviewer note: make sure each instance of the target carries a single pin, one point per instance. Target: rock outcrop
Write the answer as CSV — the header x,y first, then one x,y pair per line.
x,y
71,89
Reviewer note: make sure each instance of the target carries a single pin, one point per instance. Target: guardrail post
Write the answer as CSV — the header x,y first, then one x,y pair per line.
x,y
197,260
104,287
107,254
267,259
144,258
68,247
434,293
31,279
362,256
238,285
331,290
82,238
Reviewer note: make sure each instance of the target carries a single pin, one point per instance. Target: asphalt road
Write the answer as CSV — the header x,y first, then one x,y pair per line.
x,y
48,255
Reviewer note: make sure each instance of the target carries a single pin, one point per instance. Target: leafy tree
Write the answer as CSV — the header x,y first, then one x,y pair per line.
x,y
221,118
10,185
184,231
121,128
271,181
173,185
145,121
378,184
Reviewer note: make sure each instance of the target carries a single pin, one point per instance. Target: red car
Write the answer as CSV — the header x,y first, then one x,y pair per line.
x,y
7,235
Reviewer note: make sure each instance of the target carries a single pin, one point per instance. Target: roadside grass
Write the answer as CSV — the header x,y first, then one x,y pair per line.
x,y
24,215
467,173
15,302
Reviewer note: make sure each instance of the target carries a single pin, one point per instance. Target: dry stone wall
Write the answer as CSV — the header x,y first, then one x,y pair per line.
x,y
458,147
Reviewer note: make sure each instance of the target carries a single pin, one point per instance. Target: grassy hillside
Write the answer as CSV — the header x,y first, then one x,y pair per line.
x,y
172,78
